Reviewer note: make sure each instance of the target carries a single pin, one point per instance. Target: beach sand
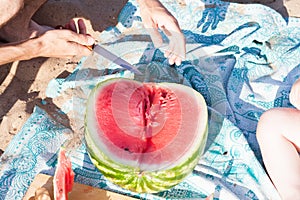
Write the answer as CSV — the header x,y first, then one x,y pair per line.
x,y
23,84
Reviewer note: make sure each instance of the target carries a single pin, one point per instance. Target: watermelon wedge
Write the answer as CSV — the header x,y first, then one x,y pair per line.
x,y
145,137
63,178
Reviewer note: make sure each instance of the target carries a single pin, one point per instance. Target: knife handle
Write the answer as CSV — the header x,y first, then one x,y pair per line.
x,y
91,47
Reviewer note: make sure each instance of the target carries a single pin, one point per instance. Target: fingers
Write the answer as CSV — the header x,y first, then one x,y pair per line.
x,y
175,53
155,37
65,41
152,29
154,16
85,40
77,43
72,25
79,28
78,34
62,44
176,49
79,50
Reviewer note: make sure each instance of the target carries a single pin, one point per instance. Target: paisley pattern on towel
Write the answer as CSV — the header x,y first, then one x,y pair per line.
x,y
242,58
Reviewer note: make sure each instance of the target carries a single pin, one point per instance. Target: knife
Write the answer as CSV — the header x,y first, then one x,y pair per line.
x,y
114,58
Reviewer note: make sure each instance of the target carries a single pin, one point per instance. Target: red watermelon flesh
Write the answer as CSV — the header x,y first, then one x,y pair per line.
x,y
146,124
138,122
63,178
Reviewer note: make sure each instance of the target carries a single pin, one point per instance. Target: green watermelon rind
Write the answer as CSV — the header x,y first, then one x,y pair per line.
x,y
132,178
127,177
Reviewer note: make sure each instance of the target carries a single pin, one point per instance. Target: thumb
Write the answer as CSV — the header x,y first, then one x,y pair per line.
x,y
82,39
155,37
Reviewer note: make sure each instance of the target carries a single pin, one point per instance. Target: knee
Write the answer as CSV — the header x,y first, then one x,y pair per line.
x,y
292,193
266,125
16,6
9,9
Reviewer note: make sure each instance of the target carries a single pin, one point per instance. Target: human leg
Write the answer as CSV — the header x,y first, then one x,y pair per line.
x,y
21,26
278,134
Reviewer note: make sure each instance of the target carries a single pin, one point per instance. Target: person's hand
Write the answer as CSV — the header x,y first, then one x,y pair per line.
x,y
67,42
59,43
155,16
295,94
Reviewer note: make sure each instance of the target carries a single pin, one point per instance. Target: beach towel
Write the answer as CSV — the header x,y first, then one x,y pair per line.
x,y
242,58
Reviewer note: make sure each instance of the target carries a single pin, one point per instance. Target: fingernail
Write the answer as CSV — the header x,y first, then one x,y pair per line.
x,y
91,40
178,62
166,54
171,62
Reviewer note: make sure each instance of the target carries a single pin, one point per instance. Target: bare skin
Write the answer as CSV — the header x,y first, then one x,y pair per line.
x,y
54,43
11,9
278,133
155,16
26,39
17,24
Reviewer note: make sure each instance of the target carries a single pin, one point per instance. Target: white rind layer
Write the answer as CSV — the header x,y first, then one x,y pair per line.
x,y
150,177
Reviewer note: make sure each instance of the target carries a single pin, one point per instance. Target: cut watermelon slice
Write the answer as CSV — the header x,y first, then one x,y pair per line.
x,y
63,178
145,137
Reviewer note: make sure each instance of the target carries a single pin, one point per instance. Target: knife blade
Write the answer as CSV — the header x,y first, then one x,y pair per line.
x,y
114,58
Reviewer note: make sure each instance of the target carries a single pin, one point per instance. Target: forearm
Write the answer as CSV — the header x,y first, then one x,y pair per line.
x,y
19,51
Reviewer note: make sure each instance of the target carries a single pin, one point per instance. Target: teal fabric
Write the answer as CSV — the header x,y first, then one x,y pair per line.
x,y
242,58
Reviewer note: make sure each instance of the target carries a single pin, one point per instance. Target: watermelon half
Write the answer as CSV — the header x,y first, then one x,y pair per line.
x,y
145,137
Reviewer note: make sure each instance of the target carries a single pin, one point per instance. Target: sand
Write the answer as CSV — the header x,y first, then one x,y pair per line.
x,y
23,84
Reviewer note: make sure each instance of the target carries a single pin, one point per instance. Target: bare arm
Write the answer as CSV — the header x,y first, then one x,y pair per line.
x,y
53,43
18,51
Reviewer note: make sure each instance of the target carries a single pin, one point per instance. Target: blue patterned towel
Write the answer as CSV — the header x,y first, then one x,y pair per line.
x,y
242,58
